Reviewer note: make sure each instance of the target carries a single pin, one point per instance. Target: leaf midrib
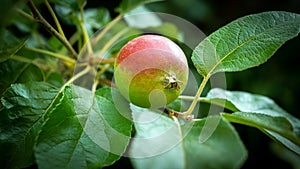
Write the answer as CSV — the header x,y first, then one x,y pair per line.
x,y
81,134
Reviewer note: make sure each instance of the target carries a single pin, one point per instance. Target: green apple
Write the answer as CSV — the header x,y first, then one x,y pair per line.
x,y
151,71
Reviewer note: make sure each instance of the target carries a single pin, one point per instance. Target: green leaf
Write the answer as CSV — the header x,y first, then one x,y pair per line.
x,y
55,78
244,43
128,5
166,29
82,130
224,144
54,44
161,143
18,72
261,112
278,124
265,122
248,102
278,128
71,4
94,18
20,121
286,155
285,140
7,8
9,45
141,17
64,14
24,26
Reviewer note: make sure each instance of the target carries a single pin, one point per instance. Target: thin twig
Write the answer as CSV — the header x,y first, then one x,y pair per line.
x,y
57,55
55,19
107,82
85,33
111,41
77,76
25,15
98,60
40,19
26,60
105,30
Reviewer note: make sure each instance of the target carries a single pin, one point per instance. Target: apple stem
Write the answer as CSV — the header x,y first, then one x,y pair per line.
x,y
196,98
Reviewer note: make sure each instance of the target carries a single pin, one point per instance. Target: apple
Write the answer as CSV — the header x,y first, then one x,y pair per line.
x,y
151,71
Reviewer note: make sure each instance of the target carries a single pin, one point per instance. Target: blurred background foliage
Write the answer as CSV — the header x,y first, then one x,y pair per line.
x,y
278,78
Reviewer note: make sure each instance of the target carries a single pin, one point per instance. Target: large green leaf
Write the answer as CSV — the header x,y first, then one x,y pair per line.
x,y
171,146
9,45
20,121
82,130
128,5
245,42
260,112
224,144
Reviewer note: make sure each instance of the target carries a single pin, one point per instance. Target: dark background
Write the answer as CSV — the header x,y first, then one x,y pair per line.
x,y
278,78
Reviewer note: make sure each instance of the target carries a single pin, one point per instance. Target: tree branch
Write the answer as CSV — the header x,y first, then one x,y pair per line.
x,y
55,19
173,113
107,82
40,19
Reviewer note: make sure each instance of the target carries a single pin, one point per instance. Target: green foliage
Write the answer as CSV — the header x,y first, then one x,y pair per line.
x,y
79,131
21,121
17,72
244,43
94,18
128,5
73,4
262,113
9,45
50,118
170,145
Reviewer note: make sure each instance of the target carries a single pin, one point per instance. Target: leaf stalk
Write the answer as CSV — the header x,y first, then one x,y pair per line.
x,y
199,92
